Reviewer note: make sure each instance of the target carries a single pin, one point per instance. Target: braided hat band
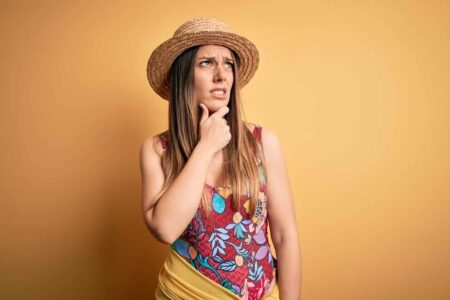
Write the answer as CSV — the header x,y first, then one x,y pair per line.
x,y
199,31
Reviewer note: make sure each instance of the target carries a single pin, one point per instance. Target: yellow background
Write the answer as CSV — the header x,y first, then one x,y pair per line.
x,y
357,91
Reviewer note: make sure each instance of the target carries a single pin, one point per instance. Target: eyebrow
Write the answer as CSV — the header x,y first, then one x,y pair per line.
x,y
213,58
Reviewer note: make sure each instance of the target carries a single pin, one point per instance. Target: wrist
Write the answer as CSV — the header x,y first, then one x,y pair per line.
x,y
204,150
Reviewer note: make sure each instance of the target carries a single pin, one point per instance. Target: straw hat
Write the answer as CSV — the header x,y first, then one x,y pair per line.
x,y
199,31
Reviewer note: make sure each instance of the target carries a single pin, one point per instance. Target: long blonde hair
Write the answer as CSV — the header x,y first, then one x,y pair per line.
x,y
243,155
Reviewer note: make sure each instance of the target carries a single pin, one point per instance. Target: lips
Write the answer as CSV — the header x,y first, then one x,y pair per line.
x,y
219,93
219,89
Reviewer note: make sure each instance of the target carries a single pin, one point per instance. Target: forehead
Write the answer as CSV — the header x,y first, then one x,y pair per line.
x,y
214,50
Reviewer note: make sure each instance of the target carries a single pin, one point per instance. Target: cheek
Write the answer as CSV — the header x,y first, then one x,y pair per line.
x,y
201,84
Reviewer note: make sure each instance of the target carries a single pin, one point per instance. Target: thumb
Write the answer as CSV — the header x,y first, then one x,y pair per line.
x,y
205,113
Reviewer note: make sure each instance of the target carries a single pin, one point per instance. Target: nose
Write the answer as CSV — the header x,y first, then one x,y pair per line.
x,y
219,74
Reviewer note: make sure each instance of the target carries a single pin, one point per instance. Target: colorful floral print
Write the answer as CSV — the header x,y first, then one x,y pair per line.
x,y
230,247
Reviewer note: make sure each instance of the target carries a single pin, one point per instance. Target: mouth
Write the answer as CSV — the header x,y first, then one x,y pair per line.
x,y
220,93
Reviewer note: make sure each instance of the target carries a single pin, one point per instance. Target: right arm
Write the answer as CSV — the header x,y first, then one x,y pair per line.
x,y
169,216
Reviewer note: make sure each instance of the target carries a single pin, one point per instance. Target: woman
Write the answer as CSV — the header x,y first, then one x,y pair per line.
x,y
212,181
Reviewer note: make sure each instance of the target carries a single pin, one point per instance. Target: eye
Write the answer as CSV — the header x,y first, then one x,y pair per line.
x,y
231,64
206,61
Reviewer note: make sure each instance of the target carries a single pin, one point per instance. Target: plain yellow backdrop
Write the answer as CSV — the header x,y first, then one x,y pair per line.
x,y
357,92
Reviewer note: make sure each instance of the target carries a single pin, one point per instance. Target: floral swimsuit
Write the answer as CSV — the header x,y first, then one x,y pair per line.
x,y
230,247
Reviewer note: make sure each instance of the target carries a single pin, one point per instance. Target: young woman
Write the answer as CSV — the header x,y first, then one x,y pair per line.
x,y
213,182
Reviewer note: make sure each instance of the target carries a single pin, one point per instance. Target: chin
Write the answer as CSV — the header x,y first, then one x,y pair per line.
x,y
215,105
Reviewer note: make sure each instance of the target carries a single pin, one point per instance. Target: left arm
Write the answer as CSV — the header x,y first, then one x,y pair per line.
x,y
282,220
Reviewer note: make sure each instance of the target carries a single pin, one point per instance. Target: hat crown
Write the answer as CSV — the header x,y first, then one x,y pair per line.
x,y
201,24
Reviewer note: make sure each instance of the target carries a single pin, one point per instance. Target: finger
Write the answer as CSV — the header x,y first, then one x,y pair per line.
x,y
205,112
221,112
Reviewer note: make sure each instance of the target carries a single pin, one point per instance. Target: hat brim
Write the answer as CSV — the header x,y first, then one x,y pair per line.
x,y
163,56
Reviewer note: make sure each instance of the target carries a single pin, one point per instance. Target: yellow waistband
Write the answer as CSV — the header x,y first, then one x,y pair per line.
x,y
179,280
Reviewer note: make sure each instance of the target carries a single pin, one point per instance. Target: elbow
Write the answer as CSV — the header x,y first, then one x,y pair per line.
x,y
161,236
159,231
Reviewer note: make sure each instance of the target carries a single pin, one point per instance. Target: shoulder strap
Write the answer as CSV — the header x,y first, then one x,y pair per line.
x,y
257,133
164,141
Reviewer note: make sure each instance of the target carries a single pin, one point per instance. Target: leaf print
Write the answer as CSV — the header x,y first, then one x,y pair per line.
x,y
252,275
232,247
224,237
256,272
222,244
193,264
228,285
259,273
262,252
204,263
222,230
260,237
217,259
236,288
227,266
239,231
217,240
241,251
217,248
213,235
230,226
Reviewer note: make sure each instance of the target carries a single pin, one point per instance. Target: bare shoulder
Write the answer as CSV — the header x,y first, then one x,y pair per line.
x,y
151,169
268,136
271,143
153,144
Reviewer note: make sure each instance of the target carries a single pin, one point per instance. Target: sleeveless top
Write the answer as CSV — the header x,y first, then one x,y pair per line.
x,y
230,247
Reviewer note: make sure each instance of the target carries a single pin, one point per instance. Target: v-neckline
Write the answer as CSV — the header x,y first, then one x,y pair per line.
x,y
217,188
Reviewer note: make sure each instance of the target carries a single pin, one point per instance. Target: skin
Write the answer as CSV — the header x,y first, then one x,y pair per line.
x,y
213,72
167,218
282,220
213,68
